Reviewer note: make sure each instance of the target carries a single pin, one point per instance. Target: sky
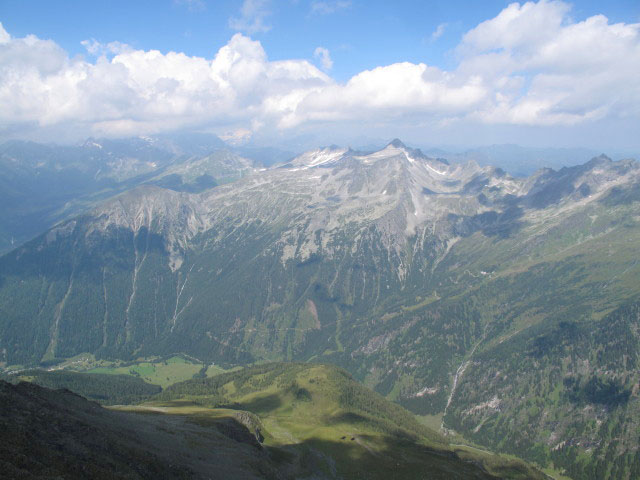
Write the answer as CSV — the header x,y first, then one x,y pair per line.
x,y
278,72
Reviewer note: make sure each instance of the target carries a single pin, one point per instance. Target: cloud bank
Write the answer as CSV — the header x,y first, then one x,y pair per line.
x,y
531,65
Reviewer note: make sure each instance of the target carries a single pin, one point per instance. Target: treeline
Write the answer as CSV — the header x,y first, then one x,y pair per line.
x,y
101,388
245,381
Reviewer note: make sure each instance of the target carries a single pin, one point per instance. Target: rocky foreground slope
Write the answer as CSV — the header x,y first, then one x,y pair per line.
x,y
58,434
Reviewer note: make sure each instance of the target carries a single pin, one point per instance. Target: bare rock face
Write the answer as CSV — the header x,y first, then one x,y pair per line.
x,y
321,194
176,217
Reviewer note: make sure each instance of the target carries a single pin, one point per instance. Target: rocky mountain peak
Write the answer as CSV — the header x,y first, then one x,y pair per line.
x,y
601,160
397,143
321,157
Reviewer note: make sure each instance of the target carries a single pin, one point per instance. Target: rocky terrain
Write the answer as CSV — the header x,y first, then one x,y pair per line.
x,y
58,434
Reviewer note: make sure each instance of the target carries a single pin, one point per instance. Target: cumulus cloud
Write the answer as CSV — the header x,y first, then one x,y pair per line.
x,y
324,56
252,19
401,90
529,65
549,70
139,91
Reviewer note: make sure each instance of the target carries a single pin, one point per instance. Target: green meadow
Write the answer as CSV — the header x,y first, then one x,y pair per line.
x,y
159,372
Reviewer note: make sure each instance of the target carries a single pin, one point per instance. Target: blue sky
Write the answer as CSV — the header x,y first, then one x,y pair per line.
x,y
452,72
359,34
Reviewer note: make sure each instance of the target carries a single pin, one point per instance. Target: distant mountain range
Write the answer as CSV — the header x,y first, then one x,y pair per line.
x,y
505,306
517,160
41,185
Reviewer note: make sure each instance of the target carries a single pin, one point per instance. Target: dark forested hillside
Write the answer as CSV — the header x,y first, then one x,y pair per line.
x,y
558,390
104,389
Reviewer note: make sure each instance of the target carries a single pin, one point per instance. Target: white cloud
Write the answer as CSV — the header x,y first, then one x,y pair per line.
x,y
518,27
139,91
397,91
531,65
328,7
551,71
252,19
437,33
324,56
4,35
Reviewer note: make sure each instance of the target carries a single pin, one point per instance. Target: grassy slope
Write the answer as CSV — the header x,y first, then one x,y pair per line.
x,y
319,412
315,418
163,373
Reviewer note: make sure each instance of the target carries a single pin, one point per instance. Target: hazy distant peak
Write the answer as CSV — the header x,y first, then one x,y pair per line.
x,y
396,142
321,156
601,159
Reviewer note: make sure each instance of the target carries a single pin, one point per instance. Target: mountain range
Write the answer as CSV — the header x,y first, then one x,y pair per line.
x,y
506,308
517,160
44,184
